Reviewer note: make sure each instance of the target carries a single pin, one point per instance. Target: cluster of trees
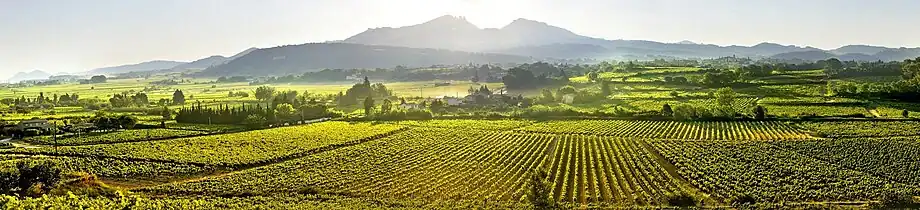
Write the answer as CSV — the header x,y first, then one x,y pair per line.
x,y
125,100
94,80
223,114
906,89
535,75
724,98
242,94
232,79
42,100
362,91
836,68
280,106
105,121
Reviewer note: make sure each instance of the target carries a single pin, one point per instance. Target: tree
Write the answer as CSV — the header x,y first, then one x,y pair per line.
x,y
167,115
592,76
436,106
368,106
666,110
386,106
910,68
547,96
725,96
540,195
760,113
98,79
32,177
178,97
254,120
285,111
126,121
605,88
264,93
832,66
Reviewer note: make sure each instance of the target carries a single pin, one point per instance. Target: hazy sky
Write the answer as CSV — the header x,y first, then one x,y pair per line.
x,y
71,36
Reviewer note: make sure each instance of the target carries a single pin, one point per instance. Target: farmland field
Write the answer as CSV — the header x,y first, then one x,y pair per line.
x,y
250,147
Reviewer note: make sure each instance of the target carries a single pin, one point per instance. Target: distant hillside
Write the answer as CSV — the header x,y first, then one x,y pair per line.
x,y
861,49
210,61
559,51
533,38
202,63
806,55
316,56
32,75
145,66
885,55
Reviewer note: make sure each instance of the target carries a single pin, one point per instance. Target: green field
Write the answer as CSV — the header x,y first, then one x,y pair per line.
x,y
810,149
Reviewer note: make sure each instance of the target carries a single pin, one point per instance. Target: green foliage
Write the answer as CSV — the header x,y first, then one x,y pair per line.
x,y
178,98
111,137
725,96
255,121
666,110
251,147
29,177
368,106
768,173
541,190
285,111
264,93
760,113
682,199
745,131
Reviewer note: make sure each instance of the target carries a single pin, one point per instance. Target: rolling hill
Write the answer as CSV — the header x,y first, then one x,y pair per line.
x,y
145,66
32,75
317,56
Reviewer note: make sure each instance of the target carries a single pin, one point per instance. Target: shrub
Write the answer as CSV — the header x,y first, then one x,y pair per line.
x,y
682,199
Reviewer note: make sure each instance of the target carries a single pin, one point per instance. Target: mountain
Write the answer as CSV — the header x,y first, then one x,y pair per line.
x,y
32,75
240,54
537,39
899,54
805,55
201,63
214,60
563,51
292,59
862,49
145,66
456,33
889,54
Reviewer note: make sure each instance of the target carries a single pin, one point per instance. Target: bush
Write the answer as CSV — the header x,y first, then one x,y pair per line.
x,y
896,201
29,177
742,200
682,199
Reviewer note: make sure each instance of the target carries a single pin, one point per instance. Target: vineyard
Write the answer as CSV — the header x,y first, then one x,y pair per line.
x,y
434,164
897,159
250,147
759,130
111,137
497,125
589,163
736,172
864,128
